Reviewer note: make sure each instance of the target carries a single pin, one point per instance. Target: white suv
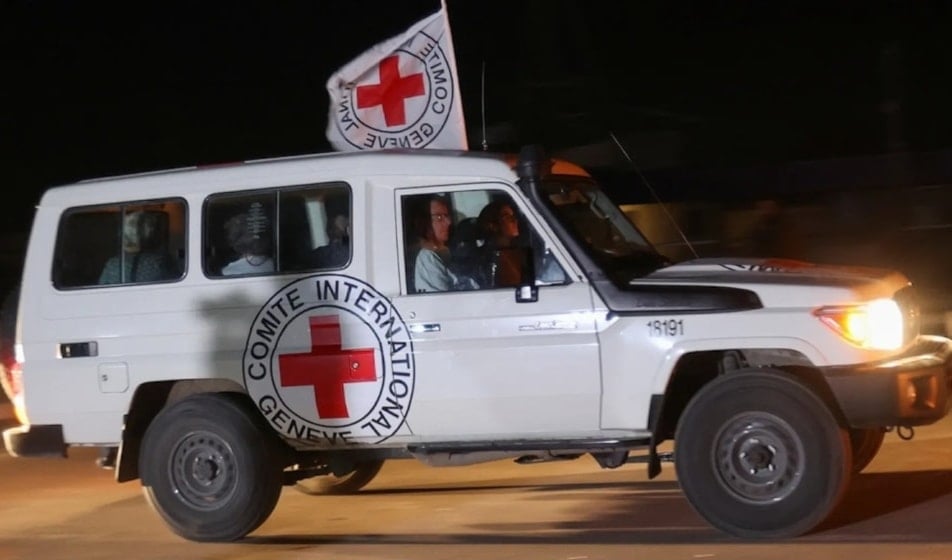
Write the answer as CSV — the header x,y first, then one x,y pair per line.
x,y
299,321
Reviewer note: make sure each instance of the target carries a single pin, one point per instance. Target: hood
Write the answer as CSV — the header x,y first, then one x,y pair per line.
x,y
783,279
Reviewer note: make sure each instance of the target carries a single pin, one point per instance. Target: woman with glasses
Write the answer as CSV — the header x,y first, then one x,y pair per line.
x,y
431,272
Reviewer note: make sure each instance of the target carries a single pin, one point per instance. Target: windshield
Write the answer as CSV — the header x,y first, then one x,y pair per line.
x,y
600,227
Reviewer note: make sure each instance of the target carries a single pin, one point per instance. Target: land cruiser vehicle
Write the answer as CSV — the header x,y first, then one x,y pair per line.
x,y
775,379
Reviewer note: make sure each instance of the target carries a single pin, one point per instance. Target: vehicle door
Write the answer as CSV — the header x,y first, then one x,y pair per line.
x,y
488,366
117,269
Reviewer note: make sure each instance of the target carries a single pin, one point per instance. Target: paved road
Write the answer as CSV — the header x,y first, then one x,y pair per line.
x,y
900,508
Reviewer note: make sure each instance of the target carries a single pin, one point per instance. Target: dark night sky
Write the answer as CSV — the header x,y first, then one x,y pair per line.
x,y
95,88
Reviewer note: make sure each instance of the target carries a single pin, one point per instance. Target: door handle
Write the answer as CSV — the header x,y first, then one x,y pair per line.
x,y
78,349
424,327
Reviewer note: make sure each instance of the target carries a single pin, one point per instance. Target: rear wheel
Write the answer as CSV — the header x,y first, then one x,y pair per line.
x,y
865,445
209,468
348,483
759,455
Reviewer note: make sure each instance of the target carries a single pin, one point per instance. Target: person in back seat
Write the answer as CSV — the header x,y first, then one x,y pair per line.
x,y
337,250
141,259
249,234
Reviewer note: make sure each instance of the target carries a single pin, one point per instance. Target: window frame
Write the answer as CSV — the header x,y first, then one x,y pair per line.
x,y
276,195
527,218
121,208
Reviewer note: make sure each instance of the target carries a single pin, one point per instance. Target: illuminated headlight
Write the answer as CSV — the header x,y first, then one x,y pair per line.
x,y
876,324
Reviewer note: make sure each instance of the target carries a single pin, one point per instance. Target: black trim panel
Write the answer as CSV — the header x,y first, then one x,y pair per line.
x,y
651,299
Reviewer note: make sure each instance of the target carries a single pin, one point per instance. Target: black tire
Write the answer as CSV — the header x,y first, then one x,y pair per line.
x,y
209,467
759,455
865,445
349,483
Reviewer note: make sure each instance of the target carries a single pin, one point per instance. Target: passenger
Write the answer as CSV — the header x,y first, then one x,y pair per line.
x,y
431,271
250,236
140,261
337,250
499,227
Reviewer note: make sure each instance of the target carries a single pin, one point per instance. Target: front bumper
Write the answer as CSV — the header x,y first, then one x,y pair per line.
x,y
910,389
35,441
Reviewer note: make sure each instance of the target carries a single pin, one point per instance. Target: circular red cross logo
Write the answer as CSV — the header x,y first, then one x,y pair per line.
x,y
329,361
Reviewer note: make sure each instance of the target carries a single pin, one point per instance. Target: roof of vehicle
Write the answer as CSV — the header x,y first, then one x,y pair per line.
x,y
290,170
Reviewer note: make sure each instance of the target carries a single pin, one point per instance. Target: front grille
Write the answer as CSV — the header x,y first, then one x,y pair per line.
x,y
911,318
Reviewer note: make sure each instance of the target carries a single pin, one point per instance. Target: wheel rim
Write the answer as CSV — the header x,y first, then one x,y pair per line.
x,y
758,458
202,471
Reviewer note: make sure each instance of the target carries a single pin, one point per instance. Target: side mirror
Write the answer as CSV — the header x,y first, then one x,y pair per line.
x,y
527,291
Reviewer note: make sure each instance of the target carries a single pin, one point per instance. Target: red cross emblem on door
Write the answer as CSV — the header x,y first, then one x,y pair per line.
x,y
327,367
391,92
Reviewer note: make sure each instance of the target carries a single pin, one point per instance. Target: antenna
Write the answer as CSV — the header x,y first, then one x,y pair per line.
x,y
653,193
482,96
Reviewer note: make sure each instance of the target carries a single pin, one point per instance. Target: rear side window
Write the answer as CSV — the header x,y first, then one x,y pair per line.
x,y
275,231
121,244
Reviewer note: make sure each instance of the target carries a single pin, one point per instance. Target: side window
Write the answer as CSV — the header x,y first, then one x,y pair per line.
x,y
472,240
287,230
121,244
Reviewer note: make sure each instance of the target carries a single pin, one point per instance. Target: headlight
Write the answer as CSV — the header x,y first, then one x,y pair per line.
x,y
876,324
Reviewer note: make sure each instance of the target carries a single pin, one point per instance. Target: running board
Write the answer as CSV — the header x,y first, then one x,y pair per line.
x,y
555,446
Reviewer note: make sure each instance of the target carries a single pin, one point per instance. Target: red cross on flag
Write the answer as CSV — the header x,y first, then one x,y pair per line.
x,y
401,93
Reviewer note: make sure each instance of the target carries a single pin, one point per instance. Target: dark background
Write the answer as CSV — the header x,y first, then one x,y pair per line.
x,y
714,100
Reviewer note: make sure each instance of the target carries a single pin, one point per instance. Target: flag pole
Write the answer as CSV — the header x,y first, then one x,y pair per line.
x,y
452,46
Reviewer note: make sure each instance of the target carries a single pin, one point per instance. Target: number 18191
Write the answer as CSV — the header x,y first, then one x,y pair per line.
x,y
666,327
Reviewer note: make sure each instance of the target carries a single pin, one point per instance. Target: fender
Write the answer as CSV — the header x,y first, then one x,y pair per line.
x,y
663,374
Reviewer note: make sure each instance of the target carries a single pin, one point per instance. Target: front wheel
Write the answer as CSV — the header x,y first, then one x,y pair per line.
x,y
759,455
347,483
209,468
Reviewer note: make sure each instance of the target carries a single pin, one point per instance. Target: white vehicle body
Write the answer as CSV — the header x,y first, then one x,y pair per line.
x,y
599,361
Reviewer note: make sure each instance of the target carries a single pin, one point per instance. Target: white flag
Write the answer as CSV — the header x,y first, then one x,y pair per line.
x,y
401,93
